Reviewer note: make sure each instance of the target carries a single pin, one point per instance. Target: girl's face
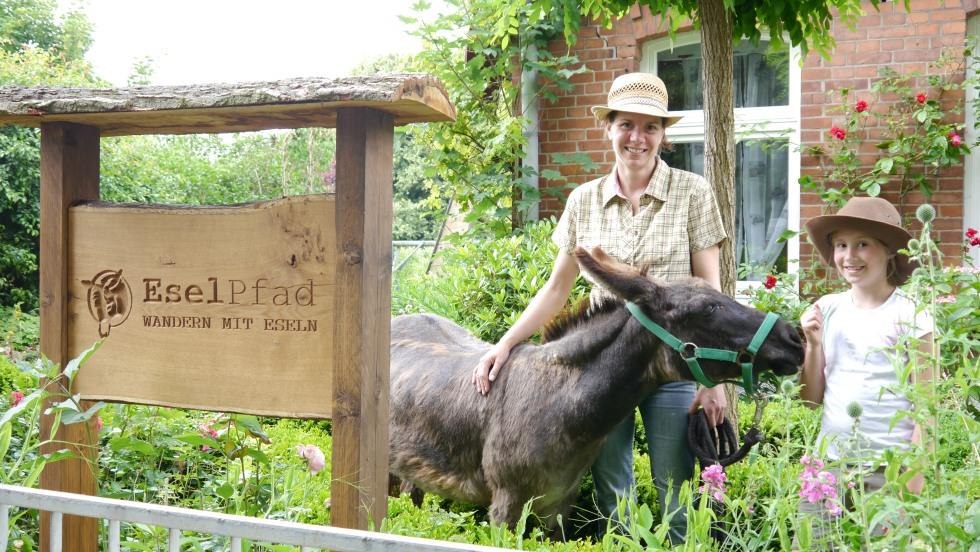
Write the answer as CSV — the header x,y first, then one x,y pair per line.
x,y
860,259
636,140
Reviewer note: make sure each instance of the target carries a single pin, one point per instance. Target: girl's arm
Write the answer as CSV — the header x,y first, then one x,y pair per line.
x,y
812,378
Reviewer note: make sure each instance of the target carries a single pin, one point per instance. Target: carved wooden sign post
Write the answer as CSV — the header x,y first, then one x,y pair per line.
x,y
276,308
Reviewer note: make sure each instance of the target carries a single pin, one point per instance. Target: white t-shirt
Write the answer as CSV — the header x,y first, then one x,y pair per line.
x,y
861,363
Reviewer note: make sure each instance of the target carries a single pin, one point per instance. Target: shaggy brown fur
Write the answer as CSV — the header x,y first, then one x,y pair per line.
x,y
540,427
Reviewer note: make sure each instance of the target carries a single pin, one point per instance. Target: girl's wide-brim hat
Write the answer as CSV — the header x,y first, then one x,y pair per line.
x,y
873,216
637,93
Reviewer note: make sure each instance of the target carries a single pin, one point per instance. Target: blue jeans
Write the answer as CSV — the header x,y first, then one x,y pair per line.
x,y
664,415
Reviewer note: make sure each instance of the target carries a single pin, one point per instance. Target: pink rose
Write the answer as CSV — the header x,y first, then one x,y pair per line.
x,y
955,139
315,460
16,397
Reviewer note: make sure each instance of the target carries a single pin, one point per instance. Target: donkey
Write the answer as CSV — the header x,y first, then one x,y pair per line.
x,y
540,427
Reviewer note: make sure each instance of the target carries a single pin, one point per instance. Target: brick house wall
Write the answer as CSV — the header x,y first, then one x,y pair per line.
x,y
906,42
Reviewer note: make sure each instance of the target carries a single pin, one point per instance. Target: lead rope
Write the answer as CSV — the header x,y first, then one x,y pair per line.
x,y
719,445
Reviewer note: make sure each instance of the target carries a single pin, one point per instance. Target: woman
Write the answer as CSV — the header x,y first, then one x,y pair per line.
x,y
642,213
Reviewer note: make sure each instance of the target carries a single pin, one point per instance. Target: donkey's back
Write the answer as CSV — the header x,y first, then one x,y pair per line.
x,y
431,363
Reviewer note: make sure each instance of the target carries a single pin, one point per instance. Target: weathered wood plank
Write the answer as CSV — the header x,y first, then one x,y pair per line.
x,y
238,298
363,299
214,108
69,174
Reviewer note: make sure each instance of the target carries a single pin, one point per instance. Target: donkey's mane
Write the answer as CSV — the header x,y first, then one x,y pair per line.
x,y
575,316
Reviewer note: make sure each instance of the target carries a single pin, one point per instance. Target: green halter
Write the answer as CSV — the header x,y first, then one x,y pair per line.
x,y
691,352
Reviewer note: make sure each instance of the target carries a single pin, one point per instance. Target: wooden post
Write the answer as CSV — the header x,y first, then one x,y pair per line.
x,y
362,318
69,173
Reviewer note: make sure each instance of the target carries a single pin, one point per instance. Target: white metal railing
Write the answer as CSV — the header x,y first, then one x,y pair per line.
x,y
309,537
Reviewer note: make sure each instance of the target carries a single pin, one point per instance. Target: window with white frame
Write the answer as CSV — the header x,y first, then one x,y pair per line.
x,y
767,121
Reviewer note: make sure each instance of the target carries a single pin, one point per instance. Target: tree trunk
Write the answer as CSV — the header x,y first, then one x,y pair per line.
x,y
719,135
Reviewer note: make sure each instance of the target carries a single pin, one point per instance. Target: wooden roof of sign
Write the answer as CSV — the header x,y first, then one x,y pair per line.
x,y
233,107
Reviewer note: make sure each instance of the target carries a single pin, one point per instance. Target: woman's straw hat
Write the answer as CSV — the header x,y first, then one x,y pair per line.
x,y
875,217
637,93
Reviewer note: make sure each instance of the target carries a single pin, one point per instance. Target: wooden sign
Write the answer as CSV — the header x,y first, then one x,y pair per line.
x,y
214,308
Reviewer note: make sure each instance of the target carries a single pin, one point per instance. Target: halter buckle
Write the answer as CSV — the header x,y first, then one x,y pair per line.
x,y
745,356
683,350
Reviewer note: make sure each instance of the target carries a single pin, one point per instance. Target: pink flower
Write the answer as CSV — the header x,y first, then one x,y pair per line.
x,y
314,457
920,97
98,423
955,139
714,481
861,106
208,431
16,397
838,132
817,485
770,282
946,299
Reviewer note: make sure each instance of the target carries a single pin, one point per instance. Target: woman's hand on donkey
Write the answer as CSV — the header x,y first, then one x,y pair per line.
x,y
490,364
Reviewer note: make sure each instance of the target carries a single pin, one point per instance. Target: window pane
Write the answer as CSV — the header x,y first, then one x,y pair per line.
x,y
760,79
761,198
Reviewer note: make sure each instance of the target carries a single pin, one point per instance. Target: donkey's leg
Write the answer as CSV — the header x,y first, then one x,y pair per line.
x,y
505,507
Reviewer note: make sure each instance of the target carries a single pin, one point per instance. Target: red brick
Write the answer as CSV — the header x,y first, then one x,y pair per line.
x,y
892,32
915,55
954,28
948,15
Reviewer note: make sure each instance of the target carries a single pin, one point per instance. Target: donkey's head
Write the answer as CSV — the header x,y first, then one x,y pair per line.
x,y
699,316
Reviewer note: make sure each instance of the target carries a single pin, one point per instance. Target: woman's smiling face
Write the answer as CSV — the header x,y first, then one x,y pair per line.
x,y
636,140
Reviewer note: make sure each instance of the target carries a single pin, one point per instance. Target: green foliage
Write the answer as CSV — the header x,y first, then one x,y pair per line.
x,y
477,160
807,23
484,284
34,50
913,135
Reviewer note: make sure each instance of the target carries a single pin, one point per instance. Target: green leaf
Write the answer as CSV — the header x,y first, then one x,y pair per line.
x,y
25,403
74,364
225,491
5,432
76,417
133,444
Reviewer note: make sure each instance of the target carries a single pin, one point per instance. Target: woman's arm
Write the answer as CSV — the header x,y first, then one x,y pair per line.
x,y
547,302
706,264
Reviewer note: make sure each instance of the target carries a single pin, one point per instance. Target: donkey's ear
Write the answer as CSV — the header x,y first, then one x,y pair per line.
x,y
621,279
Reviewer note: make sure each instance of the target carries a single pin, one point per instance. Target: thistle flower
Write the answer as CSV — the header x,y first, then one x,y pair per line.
x,y
854,410
925,213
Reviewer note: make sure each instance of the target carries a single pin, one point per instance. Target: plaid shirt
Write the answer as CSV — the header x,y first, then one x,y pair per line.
x,y
678,215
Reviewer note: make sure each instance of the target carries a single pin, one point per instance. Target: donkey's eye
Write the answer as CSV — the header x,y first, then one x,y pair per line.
x,y
713,308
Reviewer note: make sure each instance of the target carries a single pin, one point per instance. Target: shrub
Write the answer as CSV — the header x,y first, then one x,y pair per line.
x,y
485,284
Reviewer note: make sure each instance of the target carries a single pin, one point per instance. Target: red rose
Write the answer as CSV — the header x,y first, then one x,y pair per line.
x,y
971,232
861,106
975,241
920,97
770,282
838,132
